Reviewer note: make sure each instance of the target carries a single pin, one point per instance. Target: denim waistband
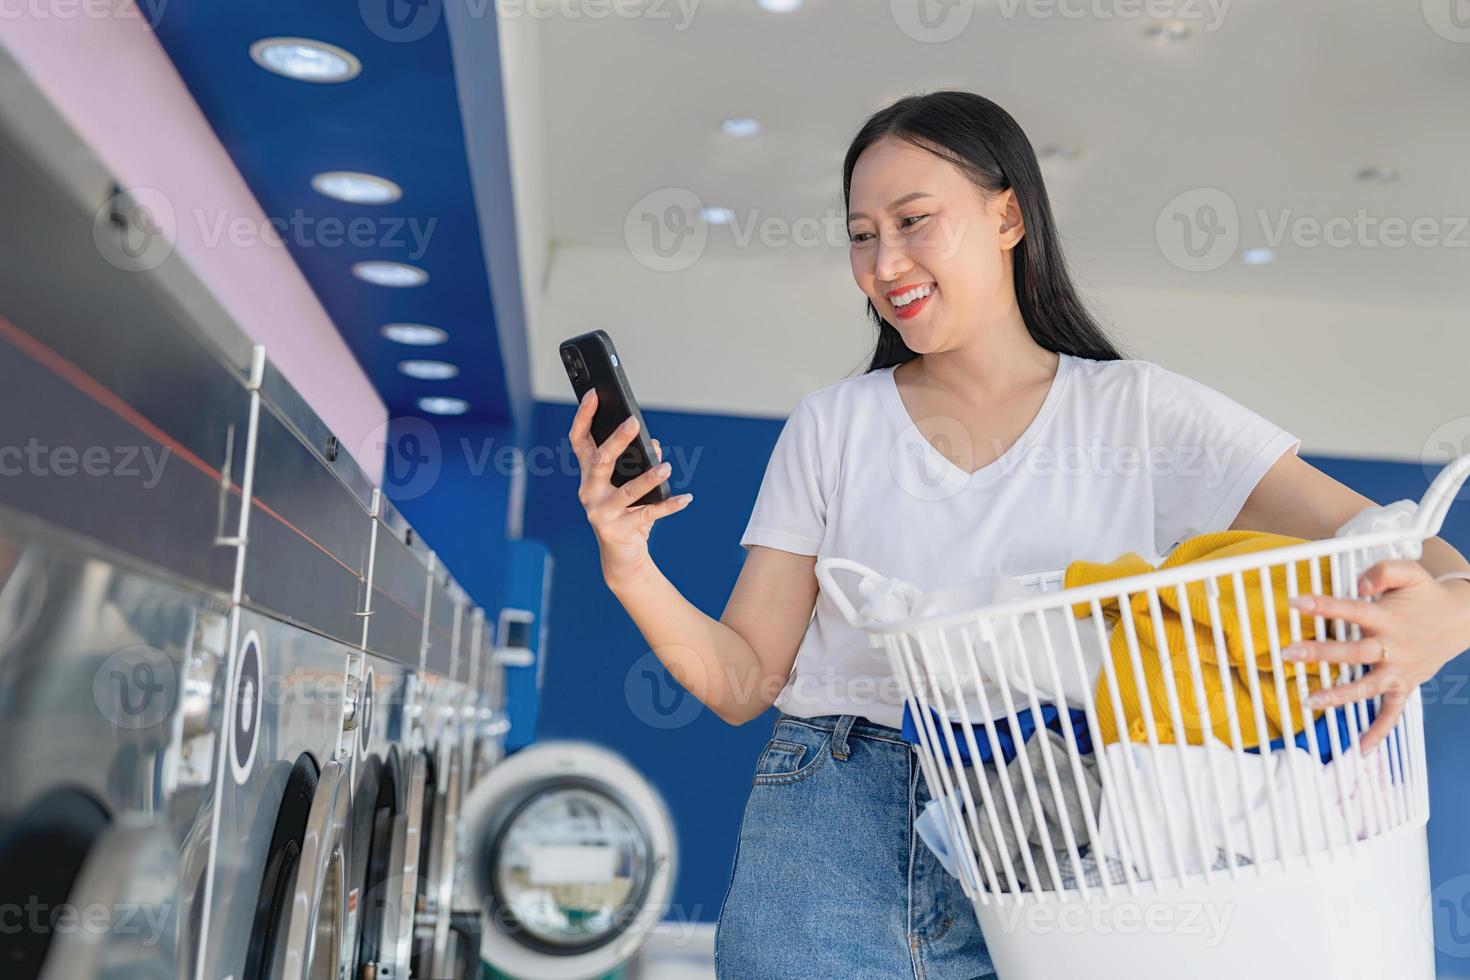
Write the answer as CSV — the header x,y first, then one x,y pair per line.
x,y
844,727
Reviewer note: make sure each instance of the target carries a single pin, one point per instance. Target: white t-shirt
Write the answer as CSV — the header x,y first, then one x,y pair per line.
x,y
1123,456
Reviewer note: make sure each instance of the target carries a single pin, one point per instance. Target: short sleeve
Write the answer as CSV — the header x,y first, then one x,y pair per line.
x,y
1206,454
790,511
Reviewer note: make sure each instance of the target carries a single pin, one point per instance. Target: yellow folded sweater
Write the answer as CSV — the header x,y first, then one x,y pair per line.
x,y
1205,547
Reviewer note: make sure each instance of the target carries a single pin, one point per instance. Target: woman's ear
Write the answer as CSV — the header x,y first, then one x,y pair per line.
x,y
1012,226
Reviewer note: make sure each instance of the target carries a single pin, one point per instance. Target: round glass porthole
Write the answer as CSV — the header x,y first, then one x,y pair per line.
x,y
571,865
572,854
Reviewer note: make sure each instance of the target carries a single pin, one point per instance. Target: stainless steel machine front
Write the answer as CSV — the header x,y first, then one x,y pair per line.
x,y
240,699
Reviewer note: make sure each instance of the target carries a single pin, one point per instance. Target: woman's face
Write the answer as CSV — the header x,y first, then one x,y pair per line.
x,y
915,220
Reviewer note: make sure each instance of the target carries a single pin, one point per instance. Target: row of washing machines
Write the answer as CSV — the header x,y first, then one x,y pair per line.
x,y
242,703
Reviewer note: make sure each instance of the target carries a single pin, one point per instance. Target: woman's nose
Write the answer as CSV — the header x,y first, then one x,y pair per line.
x,y
892,261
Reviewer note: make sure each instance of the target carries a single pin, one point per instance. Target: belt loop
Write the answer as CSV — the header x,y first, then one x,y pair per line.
x,y
840,750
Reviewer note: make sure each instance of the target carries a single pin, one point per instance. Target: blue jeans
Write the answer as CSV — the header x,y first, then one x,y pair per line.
x,y
829,878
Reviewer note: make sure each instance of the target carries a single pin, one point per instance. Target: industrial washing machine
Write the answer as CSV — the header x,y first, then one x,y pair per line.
x,y
241,699
243,704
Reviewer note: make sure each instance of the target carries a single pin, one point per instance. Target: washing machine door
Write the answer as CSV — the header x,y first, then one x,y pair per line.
x,y
572,854
311,939
393,904
130,878
375,806
444,860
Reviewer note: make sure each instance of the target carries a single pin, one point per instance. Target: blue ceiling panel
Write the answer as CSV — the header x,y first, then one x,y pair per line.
x,y
400,119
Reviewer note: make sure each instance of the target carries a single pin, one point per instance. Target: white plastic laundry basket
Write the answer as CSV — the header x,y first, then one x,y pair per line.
x,y
1337,879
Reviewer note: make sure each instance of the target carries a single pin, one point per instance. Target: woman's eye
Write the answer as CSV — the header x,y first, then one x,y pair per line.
x,y
914,218
859,237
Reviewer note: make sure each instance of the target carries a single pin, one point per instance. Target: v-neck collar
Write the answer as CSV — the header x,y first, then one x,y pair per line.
x,y
1004,463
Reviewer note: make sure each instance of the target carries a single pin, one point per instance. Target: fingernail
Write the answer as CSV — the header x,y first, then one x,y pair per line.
x,y
664,469
1291,653
1303,602
1316,701
689,498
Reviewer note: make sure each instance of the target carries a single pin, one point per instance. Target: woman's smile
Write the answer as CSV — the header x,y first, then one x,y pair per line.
x,y
909,303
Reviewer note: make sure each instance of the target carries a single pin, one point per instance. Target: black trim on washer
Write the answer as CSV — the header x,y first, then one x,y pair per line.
x,y
280,867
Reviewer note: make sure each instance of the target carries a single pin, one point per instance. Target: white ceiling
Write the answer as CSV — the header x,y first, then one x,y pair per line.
x,y
1277,105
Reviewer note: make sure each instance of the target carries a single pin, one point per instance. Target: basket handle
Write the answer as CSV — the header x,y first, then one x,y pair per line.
x,y
826,567
1435,503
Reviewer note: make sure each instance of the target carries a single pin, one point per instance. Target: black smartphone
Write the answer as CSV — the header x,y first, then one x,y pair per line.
x,y
591,361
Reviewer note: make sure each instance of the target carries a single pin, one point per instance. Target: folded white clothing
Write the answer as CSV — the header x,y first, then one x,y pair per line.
x,y
1147,793
1014,660
1362,787
1027,647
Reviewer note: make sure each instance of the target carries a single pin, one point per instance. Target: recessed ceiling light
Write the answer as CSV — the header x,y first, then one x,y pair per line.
x,y
779,6
444,406
1258,256
1167,30
396,274
414,334
305,60
1377,175
741,127
356,188
716,215
428,370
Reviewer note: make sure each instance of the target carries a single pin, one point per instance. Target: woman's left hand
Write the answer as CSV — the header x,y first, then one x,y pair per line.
x,y
1421,624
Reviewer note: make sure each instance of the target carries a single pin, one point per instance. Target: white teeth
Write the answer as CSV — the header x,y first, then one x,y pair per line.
x,y
919,292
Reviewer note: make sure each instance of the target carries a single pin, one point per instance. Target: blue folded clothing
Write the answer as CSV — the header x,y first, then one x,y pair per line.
x,y
1324,737
1026,724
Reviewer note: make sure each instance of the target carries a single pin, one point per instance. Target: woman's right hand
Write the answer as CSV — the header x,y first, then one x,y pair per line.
x,y
622,530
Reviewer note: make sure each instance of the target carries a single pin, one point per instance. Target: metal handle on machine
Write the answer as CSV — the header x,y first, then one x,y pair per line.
x,y
351,701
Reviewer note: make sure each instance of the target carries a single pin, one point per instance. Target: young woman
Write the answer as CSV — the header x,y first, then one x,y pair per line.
x,y
996,430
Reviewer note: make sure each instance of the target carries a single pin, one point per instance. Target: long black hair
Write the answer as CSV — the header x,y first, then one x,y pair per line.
x,y
983,140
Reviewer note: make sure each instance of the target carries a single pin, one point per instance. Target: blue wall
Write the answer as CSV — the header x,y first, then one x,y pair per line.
x,y
451,480
1446,724
603,684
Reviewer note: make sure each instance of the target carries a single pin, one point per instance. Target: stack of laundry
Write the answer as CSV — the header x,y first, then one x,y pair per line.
x,y
1111,805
